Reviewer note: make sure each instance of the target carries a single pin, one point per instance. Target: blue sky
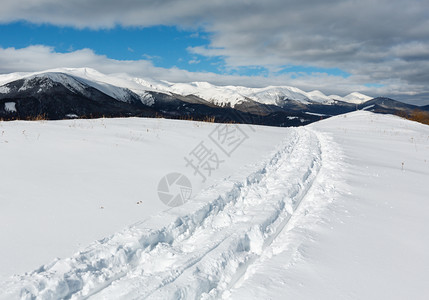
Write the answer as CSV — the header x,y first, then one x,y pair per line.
x,y
337,46
164,46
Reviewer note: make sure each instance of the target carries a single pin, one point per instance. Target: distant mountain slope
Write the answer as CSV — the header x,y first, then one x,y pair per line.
x,y
425,107
83,92
58,96
387,106
271,95
356,98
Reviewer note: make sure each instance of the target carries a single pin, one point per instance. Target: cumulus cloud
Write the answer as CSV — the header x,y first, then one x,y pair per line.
x,y
383,42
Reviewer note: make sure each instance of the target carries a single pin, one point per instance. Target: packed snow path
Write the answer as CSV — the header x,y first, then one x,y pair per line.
x,y
206,247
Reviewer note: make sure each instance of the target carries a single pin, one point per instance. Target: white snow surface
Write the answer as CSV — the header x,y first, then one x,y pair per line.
x,y
10,106
58,174
368,107
361,231
337,210
4,90
316,114
116,86
356,98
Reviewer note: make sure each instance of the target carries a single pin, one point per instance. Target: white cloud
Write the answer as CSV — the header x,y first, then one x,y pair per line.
x,y
194,61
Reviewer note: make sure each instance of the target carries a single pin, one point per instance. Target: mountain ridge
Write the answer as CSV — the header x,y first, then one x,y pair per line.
x,y
221,95
83,92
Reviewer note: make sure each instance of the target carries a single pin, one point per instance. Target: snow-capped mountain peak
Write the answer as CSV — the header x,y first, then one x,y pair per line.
x,y
77,80
47,79
356,98
318,96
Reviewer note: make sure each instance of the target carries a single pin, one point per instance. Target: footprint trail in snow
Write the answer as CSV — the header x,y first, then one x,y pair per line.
x,y
206,246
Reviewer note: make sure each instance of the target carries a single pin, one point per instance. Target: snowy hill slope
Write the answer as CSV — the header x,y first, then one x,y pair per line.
x,y
201,242
58,175
332,210
369,242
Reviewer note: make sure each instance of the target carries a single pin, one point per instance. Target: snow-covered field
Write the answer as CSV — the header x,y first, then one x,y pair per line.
x,y
65,184
334,210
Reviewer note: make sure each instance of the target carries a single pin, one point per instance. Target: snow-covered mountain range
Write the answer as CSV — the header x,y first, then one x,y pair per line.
x,y
116,86
85,92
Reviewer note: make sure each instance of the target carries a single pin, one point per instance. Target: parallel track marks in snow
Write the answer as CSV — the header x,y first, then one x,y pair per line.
x,y
210,257
201,253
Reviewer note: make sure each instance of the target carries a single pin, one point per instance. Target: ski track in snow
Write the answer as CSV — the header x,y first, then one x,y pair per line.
x,y
205,249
